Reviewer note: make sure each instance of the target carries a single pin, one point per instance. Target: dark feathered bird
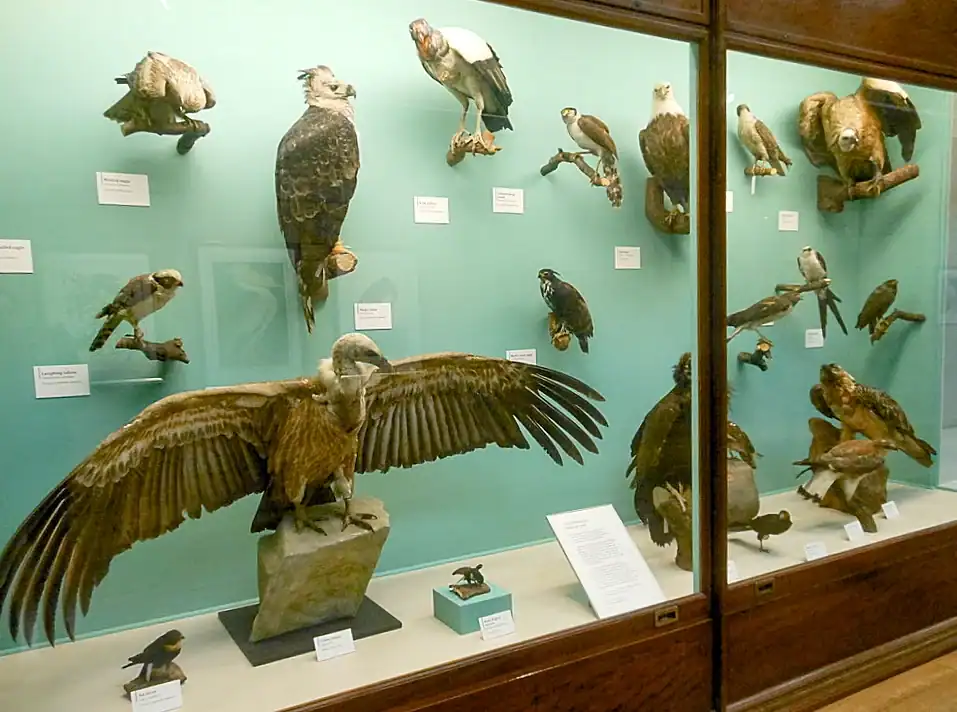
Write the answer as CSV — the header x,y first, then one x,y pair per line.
x,y
818,401
160,653
896,111
471,574
740,444
850,457
768,525
814,269
568,306
665,145
876,305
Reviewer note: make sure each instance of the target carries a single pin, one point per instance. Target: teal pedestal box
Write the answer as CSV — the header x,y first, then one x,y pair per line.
x,y
463,616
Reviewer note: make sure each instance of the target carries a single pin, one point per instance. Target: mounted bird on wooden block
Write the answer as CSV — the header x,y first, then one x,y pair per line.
x,y
285,440
665,147
468,67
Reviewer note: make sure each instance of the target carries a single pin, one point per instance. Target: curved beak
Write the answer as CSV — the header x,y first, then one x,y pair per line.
x,y
350,91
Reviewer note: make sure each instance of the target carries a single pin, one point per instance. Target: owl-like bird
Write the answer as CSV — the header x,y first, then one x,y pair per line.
x,y
814,269
760,142
665,148
876,305
140,297
568,306
767,310
162,90
317,169
468,67
592,135
158,654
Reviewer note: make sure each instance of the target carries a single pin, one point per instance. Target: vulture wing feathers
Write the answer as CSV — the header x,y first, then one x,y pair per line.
x,y
445,404
896,111
811,129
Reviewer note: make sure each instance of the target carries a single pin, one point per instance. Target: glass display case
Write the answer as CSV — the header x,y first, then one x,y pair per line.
x,y
207,233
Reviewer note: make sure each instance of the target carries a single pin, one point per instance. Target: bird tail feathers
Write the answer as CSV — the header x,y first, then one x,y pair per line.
x,y
496,122
106,331
583,343
920,450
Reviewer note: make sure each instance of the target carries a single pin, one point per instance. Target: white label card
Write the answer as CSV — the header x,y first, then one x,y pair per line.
x,y
123,189
370,317
61,381
614,574
496,625
521,356
430,210
813,338
16,257
733,574
627,258
788,221
508,200
160,698
729,201
890,510
854,531
334,645
815,550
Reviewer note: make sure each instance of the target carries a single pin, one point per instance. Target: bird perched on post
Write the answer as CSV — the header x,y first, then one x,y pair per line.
x,y
158,654
468,67
767,310
665,148
140,297
814,269
760,142
283,440
317,168
876,305
568,306
592,135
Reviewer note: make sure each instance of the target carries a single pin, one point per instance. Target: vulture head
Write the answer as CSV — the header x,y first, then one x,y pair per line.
x,y
321,83
351,349
848,140
429,42
168,278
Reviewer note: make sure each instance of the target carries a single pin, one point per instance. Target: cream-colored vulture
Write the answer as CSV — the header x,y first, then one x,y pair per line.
x,y
207,449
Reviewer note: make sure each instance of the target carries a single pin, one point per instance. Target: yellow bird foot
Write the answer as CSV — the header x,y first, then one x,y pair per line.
x,y
484,143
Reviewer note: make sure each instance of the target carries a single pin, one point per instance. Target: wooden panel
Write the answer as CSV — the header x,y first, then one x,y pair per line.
x,y
692,10
910,33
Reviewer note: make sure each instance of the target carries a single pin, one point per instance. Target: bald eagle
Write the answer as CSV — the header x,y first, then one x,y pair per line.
x,y
665,148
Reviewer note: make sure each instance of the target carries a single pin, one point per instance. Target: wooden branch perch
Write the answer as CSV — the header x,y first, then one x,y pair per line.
x,y
801,288
171,350
189,132
884,324
760,171
558,333
465,143
759,357
832,193
611,182
673,222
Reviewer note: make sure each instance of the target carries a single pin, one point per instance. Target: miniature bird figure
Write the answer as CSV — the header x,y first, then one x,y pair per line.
x,y
814,269
760,142
592,135
665,148
768,525
876,305
142,296
470,574
850,457
767,310
158,654
568,306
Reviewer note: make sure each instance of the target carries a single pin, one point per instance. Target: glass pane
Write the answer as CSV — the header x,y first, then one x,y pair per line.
x,y
847,415
449,259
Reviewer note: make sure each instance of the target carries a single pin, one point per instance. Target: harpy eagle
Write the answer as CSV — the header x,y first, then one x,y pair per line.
x,y
140,297
203,450
757,138
468,67
317,167
665,148
592,135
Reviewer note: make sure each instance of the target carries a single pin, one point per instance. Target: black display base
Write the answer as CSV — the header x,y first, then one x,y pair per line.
x,y
371,619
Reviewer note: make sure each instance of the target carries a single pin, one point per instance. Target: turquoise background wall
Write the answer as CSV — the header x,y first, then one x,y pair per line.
x,y
901,235
468,286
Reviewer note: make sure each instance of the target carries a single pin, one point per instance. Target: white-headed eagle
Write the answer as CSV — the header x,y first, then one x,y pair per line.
x,y
665,147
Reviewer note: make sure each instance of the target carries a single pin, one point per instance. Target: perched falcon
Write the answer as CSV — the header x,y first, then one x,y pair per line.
x,y
568,306
142,295
592,135
850,457
767,310
814,269
317,167
162,91
468,67
665,148
897,112
876,305
871,412
760,142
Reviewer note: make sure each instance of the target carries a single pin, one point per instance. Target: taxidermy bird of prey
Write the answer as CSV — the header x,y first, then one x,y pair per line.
x,y
317,166
568,306
665,147
876,305
142,295
851,457
661,450
158,654
204,450
468,67
818,401
592,135
871,412
162,91
814,269
740,445
767,310
760,142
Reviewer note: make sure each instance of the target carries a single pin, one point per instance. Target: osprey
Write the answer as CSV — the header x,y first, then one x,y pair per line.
x,y
759,313
317,167
592,135
162,91
140,297
876,305
468,67
814,269
758,139
284,440
665,148
568,306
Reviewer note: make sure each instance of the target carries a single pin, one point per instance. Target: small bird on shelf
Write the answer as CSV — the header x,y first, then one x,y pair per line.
x,y
156,659
140,297
471,584
470,574
760,313
876,305
768,525
814,269
568,306
757,138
